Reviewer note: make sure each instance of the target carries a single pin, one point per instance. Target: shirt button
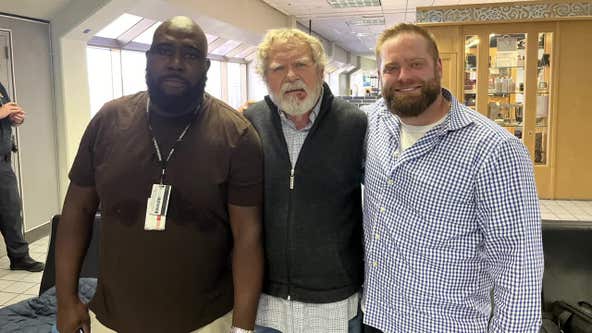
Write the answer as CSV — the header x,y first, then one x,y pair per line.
x,y
377,236
390,182
382,209
375,264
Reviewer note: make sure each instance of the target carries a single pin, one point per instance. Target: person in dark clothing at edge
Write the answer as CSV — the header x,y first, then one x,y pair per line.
x,y
179,176
313,147
11,220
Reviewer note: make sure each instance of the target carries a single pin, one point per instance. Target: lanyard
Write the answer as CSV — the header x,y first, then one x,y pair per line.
x,y
163,163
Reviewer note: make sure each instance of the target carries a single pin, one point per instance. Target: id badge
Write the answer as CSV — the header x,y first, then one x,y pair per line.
x,y
157,206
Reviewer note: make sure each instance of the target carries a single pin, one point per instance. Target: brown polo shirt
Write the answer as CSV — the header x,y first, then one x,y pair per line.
x,y
179,279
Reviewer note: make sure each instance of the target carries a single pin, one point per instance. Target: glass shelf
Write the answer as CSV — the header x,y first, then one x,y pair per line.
x,y
505,81
504,67
506,94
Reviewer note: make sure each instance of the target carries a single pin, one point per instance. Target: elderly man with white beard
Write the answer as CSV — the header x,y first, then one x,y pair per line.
x,y
313,146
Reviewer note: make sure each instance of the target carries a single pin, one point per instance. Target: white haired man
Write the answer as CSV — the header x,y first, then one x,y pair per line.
x,y
313,145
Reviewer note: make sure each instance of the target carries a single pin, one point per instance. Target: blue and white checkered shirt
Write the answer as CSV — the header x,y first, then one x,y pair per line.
x,y
451,218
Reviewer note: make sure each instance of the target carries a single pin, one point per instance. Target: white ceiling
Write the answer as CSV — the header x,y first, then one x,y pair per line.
x,y
39,9
332,23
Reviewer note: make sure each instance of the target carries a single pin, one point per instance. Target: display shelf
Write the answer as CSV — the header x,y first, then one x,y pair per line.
x,y
507,94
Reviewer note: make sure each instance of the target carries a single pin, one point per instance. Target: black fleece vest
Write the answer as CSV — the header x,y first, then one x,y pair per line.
x,y
313,232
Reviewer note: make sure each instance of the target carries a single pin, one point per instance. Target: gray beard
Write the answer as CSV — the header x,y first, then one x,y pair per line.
x,y
295,109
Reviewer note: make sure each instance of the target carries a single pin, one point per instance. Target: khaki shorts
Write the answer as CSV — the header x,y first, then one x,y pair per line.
x,y
220,325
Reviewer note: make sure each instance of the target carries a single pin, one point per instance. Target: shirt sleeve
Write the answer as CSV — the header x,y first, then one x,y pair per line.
x,y
82,172
246,171
508,210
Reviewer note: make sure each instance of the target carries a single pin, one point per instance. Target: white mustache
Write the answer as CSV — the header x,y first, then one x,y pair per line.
x,y
293,86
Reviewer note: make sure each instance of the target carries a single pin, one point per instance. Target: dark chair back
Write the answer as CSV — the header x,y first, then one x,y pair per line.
x,y
90,266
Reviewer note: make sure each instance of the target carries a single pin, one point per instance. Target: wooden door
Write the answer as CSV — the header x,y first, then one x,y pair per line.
x,y
449,72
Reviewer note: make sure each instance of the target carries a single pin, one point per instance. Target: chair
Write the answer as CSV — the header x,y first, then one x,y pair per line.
x,y
90,265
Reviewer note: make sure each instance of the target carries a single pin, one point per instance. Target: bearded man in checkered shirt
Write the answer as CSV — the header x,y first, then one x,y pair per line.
x,y
451,214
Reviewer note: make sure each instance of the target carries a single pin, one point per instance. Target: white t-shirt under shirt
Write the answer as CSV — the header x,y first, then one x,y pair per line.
x,y
410,134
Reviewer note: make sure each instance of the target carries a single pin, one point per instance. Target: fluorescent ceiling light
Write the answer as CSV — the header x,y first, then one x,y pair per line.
x,y
353,3
367,20
120,25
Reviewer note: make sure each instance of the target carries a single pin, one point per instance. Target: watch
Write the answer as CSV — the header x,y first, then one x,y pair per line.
x,y
235,329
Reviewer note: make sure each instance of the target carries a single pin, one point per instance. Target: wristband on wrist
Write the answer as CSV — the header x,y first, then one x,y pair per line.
x,y
235,329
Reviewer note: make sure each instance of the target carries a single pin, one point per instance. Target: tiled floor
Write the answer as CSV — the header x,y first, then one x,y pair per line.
x,y
18,285
566,210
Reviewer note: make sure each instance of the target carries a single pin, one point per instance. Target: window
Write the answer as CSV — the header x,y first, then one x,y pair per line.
x,y
213,85
235,90
257,88
100,77
133,71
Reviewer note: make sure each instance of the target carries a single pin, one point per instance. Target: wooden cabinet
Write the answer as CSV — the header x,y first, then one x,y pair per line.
x,y
506,72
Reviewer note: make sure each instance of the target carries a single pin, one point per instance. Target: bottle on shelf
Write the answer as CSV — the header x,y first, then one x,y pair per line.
x,y
505,84
498,85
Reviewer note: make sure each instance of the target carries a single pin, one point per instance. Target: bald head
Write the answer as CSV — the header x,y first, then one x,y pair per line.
x,y
183,25
177,65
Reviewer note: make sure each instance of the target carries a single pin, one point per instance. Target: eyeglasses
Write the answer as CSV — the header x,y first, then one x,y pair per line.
x,y
188,54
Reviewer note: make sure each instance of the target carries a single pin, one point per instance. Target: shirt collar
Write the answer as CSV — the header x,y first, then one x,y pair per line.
x,y
458,116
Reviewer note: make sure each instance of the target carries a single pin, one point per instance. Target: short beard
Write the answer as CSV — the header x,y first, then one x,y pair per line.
x,y
171,105
413,106
292,105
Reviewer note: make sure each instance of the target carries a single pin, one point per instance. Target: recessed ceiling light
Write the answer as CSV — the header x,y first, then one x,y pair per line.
x,y
353,3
